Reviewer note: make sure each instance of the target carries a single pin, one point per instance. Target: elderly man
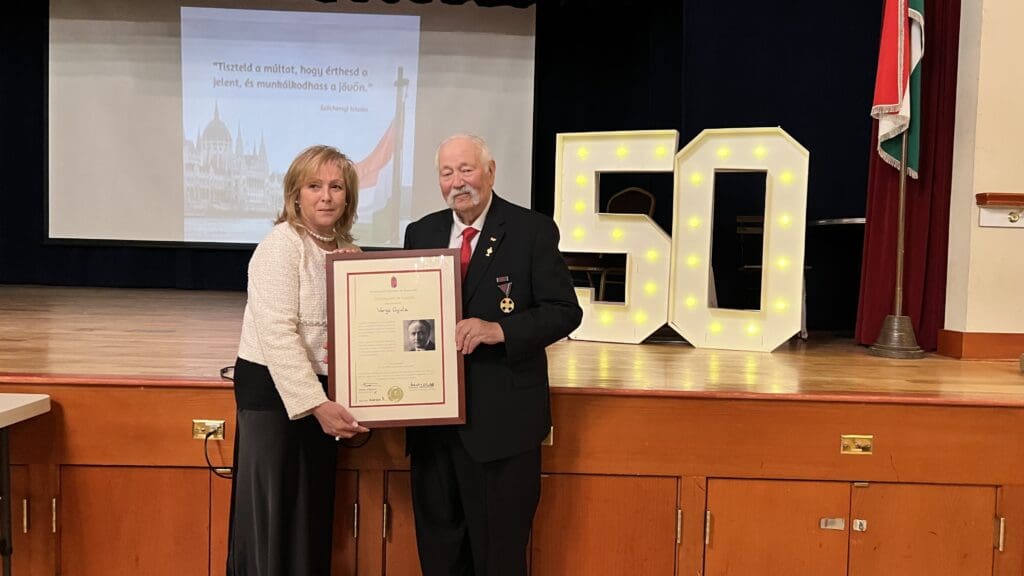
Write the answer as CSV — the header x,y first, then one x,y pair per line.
x,y
476,486
420,336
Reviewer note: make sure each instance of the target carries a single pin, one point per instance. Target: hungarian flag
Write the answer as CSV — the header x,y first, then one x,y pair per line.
x,y
897,103
369,168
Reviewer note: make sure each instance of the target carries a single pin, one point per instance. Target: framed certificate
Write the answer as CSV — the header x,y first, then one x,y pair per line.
x,y
391,331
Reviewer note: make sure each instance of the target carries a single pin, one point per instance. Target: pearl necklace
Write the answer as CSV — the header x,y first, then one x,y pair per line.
x,y
321,237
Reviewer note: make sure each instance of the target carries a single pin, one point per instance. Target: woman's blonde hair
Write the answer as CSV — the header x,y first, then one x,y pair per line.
x,y
303,169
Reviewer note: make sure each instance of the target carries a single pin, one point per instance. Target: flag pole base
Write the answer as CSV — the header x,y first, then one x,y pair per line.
x,y
896,339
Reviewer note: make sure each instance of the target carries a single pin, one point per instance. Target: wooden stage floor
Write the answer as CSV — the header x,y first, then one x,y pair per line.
x,y
153,337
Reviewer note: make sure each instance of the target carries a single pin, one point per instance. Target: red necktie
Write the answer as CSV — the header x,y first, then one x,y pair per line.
x,y
467,248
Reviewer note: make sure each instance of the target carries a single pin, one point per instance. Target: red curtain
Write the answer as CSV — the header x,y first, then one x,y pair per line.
x,y
926,232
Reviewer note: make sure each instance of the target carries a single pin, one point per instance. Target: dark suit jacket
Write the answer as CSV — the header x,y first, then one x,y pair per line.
x,y
508,409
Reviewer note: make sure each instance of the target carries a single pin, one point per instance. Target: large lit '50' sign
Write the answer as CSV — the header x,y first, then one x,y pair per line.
x,y
667,277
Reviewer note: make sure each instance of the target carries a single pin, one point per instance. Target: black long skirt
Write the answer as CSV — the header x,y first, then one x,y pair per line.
x,y
282,493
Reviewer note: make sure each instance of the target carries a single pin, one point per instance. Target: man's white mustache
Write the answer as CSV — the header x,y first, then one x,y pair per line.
x,y
474,194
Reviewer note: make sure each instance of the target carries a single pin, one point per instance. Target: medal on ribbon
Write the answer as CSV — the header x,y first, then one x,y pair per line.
x,y
507,305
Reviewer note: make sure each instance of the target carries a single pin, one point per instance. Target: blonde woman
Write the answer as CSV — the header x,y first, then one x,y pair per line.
x,y
282,499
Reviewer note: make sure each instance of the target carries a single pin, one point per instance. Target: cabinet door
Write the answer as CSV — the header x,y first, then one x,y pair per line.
x,y
589,524
21,508
220,518
343,558
922,529
343,555
400,556
126,520
768,527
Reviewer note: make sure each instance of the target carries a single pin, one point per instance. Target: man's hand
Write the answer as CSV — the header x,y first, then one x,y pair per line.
x,y
472,332
337,421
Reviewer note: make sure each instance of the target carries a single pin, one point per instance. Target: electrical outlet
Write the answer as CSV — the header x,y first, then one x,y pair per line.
x,y
856,443
200,428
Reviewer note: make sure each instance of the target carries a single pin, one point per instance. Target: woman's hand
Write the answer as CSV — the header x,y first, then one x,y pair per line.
x,y
337,421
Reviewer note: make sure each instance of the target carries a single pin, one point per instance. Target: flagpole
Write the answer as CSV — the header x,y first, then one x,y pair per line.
x,y
896,339
901,219
401,84
386,220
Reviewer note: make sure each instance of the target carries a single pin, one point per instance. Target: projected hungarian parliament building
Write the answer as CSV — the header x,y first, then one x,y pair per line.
x,y
221,177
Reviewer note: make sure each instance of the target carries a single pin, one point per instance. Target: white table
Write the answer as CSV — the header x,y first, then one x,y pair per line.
x,y
13,409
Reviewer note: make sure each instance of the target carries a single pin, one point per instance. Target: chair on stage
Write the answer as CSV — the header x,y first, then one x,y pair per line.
x,y
631,200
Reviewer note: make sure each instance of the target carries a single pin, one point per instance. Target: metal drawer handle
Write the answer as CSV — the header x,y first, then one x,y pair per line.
x,y
832,523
